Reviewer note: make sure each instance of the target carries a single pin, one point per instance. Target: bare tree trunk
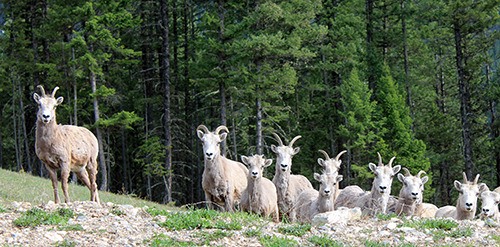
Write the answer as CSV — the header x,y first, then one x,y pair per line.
x,y
494,128
406,63
464,94
222,63
165,74
103,168
258,108
24,132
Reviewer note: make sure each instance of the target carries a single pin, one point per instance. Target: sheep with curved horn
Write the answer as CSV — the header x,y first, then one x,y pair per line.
x,y
288,186
68,148
410,201
467,200
223,180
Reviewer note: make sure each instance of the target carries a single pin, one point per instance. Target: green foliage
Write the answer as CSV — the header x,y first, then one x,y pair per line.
x,y
162,240
296,229
37,216
386,216
65,243
208,237
438,223
371,243
253,232
74,227
274,241
324,241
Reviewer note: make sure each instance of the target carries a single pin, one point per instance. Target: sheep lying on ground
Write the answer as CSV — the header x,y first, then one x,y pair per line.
x,y
260,196
330,165
67,148
375,201
223,179
489,205
466,202
287,185
311,202
411,194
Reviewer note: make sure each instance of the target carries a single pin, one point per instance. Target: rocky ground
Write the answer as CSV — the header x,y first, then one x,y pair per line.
x,y
123,225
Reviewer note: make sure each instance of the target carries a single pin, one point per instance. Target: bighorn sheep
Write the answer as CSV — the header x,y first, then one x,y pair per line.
x,y
489,205
287,185
376,200
68,148
330,165
260,196
466,202
311,202
223,179
410,201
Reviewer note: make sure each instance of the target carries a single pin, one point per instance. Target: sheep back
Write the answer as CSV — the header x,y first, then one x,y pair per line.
x,y
446,211
260,198
307,205
426,210
349,196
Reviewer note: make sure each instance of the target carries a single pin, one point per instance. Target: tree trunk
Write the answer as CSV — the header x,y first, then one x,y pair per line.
x,y
464,94
222,64
103,168
369,44
165,74
258,108
406,63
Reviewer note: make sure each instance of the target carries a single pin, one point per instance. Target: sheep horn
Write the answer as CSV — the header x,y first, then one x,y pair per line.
x,y
340,154
465,177
325,154
293,140
222,127
278,139
420,173
204,128
42,90
407,172
476,179
390,161
54,92
379,159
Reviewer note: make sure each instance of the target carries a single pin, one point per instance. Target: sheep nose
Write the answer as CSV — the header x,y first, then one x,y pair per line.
x,y
327,191
485,210
255,173
468,204
383,187
284,165
45,116
414,193
209,154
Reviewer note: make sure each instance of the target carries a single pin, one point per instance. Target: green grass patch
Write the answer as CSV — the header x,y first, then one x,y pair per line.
x,y
324,241
162,240
65,243
37,216
296,230
18,186
204,219
371,243
252,232
438,223
73,227
207,237
274,241
386,216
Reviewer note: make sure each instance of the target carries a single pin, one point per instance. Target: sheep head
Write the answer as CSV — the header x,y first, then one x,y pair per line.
x,y
383,175
284,153
413,186
328,183
211,140
469,191
330,165
47,105
489,202
256,165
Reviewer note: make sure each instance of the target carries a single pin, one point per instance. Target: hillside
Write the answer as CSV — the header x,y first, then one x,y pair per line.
x,y
28,217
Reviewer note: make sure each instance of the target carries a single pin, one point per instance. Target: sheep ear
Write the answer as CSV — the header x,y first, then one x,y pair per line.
x,y
244,159
296,150
372,167
458,185
483,187
425,179
340,178
396,169
59,100
268,162
223,136
321,162
36,97
273,148
401,178
317,177
200,134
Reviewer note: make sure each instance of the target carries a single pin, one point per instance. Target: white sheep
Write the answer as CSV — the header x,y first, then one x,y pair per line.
x,y
330,165
223,179
466,202
375,201
489,205
311,202
410,199
260,196
68,148
287,185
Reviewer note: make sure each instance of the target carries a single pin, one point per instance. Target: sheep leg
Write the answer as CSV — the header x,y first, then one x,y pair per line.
x,y
64,183
92,174
53,178
84,177
209,200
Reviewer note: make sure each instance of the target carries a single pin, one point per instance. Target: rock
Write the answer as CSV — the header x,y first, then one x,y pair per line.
x,y
391,225
53,237
337,217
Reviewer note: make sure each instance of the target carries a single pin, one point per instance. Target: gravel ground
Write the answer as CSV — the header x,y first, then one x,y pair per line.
x,y
125,225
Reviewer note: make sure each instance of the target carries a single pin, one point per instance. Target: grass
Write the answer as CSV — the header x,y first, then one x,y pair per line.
x,y
36,217
438,223
162,240
10,190
296,229
274,241
324,241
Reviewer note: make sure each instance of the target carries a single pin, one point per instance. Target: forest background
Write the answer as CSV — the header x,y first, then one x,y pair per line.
x,y
418,80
